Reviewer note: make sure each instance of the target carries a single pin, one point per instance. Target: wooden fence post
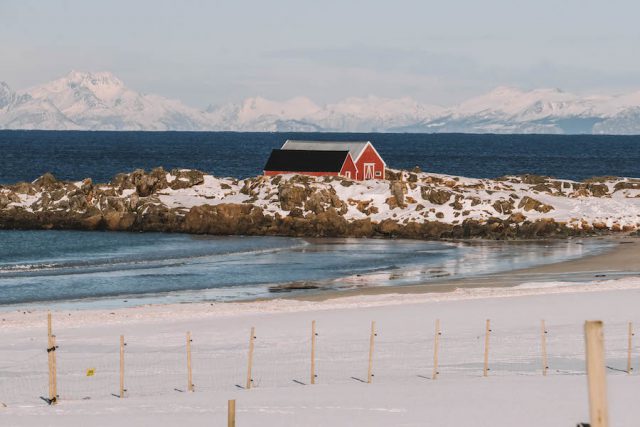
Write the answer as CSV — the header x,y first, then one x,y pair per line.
x,y
486,348
252,338
596,378
189,373
51,357
231,413
630,349
371,345
121,394
543,337
313,351
55,369
436,343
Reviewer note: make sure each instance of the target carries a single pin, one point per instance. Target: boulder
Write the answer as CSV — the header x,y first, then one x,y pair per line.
x,y
291,196
528,204
436,196
226,218
186,178
503,206
46,182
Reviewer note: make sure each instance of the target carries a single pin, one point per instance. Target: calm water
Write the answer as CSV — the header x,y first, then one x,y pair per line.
x,y
109,268
104,269
25,155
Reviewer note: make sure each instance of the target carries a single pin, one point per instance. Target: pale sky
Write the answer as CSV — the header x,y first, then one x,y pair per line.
x,y
212,52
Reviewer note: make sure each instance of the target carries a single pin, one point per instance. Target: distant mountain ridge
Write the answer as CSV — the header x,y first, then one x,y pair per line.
x,y
101,101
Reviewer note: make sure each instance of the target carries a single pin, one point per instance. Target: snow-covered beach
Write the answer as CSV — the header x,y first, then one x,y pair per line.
x,y
402,391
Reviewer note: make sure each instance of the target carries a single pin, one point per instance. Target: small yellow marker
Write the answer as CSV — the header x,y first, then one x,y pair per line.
x,y
91,372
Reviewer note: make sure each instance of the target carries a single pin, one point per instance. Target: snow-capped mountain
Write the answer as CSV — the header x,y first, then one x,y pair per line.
x,y
101,101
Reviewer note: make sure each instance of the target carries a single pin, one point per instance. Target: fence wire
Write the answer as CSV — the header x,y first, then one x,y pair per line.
x,y
90,369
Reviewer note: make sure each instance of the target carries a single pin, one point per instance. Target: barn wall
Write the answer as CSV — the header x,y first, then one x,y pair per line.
x,y
369,156
349,166
274,173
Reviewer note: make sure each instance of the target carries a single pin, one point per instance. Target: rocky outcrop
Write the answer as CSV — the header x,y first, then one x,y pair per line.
x,y
408,205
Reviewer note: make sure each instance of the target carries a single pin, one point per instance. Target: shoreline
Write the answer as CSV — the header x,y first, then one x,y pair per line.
x,y
618,260
610,270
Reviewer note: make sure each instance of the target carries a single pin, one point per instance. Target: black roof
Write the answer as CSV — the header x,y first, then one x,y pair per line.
x,y
306,161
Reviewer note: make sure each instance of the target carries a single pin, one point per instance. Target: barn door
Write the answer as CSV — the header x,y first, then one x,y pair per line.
x,y
369,170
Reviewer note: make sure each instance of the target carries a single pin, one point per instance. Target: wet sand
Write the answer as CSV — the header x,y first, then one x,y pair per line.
x,y
623,258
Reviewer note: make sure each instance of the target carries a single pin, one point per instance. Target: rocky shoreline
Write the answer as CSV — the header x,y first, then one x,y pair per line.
x,y
410,204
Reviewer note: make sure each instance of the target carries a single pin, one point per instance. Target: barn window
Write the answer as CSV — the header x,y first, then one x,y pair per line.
x,y
378,173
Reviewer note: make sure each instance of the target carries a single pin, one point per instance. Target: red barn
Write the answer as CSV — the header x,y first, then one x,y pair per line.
x,y
356,160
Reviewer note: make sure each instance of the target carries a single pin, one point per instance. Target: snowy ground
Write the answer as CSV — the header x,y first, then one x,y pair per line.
x,y
515,393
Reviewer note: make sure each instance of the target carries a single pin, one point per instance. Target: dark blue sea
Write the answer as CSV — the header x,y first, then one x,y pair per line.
x,y
89,269
25,155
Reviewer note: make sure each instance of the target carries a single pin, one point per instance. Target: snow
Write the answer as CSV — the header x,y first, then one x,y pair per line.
x,y
402,393
101,101
468,198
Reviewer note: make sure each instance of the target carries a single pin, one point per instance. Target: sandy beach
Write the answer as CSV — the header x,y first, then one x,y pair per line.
x,y
402,391
621,259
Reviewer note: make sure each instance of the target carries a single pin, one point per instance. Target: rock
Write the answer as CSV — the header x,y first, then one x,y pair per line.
x,y
226,219
533,179
527,203
517,217
503,206
319,201
4,201
627,185
291,196
296,213
598,190
398,189
122,221
435,196
599,225
24,188
392,202
187,178
544,188
46,182
393,175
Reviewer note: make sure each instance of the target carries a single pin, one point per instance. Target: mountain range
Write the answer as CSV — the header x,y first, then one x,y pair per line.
x,y
101,101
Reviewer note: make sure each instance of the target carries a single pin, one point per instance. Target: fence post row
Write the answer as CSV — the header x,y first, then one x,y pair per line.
x,y
486,348
252,338
436,343
313,351
543,333
596,378
122,344
189,372
371,345
594,347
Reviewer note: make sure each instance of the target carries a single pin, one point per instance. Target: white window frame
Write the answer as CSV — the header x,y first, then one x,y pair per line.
x,y
347,174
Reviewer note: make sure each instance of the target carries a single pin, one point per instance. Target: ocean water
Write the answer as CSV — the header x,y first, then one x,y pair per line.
x,y
25,155
102,269
107,269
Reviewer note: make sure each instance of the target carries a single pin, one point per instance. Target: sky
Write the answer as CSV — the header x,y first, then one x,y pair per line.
x,y
437,52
